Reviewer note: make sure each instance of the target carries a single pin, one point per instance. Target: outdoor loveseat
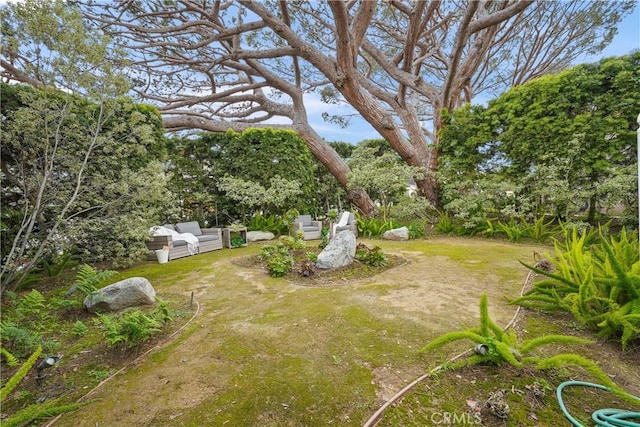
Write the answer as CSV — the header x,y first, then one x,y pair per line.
x,y
184,239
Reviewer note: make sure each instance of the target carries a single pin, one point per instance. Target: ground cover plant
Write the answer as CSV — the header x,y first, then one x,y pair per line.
x,y
269,351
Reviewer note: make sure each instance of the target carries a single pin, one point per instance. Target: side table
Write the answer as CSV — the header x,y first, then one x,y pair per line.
x,y
231,233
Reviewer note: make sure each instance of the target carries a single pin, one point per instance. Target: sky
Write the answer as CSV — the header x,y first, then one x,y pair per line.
x,y
627,40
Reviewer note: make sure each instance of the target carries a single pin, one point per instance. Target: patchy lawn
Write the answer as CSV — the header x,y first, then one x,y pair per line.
x,y
281,352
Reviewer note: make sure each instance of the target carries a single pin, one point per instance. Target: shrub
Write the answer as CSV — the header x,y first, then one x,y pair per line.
x,y
278,259
373,257
599,285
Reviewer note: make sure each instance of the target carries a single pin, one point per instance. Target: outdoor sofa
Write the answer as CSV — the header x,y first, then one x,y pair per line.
x,y
184,239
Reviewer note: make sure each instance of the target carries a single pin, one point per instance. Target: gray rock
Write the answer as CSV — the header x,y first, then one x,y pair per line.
x,y
339,252
126,293
254,236
401,233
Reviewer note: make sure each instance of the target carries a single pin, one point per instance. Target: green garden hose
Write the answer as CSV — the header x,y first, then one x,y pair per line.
x,y
602,417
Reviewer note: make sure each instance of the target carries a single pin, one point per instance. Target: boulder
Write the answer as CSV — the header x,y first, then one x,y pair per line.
x,y
125,293
254,236
339,252
401,233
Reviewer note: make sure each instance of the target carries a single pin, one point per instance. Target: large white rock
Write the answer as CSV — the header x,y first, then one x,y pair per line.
x,y
125,293
401,233
339,252
254,236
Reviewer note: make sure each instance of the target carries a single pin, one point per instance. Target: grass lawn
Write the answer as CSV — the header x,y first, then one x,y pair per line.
x,y
262,351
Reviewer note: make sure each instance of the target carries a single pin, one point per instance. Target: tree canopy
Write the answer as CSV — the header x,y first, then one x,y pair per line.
x,y
240,64
564,141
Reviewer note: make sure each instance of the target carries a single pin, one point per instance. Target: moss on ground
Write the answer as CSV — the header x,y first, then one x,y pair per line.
x,y
278,352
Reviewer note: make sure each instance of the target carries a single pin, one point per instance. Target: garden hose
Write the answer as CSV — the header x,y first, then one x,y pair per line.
x,y
602,417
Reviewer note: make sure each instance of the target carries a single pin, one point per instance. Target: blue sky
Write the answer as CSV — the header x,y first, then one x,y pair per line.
x,y
627,40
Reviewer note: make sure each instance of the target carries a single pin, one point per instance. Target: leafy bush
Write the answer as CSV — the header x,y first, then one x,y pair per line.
x,y
599,285
373,257
270,223
374,227
133,328
278,259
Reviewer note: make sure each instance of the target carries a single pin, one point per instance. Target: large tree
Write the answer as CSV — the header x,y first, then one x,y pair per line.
x,y
78,166
217,65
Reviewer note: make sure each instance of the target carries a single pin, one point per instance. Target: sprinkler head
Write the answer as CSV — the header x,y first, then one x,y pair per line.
x,y
482,349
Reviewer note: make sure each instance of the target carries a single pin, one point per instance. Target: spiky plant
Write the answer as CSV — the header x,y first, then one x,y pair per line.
x,y
35,411
600,286
502,346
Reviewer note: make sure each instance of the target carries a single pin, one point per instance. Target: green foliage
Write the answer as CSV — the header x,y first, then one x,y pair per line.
x,y
381,173
501,347
255,163
371,256
271,222
562,360
599,285
236,242
25,322
59,263
289,218
373,227
514,230
446,224
34,411
13,382
253,196
324,237
8,357
88,280
79,329
551,146
134,328
278,259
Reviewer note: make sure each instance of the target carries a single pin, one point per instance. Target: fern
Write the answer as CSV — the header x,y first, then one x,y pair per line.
x,y
39,411
10,358
19,375
502,346
451,337
599,285
562,360
534,343
88,279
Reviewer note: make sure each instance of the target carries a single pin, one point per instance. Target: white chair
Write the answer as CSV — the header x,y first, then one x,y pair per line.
x,y
347,221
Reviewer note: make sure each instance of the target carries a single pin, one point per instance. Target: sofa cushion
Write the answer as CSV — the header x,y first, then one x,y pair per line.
x,y
207,237
311,228
177,243
304,219
169,226
189,227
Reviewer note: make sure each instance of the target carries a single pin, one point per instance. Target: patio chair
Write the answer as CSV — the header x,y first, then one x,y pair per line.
x,y
347,221
311,229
